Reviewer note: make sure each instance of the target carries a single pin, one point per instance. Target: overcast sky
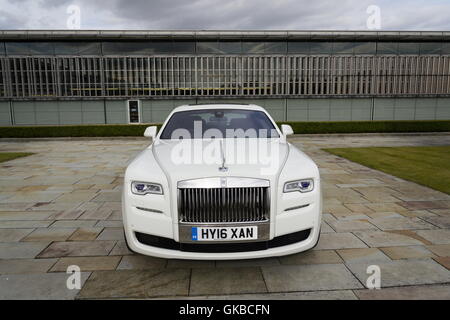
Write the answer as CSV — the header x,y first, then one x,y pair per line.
x,y
226,14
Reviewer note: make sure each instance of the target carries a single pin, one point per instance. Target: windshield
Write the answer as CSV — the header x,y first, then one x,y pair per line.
x,y
219,123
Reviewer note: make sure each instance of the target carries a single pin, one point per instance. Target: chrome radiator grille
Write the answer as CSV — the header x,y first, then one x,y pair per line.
x,y
231,204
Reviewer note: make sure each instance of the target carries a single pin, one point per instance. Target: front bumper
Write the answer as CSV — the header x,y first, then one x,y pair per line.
x,y
138,222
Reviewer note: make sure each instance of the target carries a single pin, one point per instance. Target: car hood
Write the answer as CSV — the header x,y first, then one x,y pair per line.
x,y
198,158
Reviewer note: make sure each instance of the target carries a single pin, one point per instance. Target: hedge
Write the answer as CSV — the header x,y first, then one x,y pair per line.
x,y
299,128
370,126
100,130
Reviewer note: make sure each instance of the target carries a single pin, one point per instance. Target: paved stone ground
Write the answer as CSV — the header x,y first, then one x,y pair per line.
x,y
61,207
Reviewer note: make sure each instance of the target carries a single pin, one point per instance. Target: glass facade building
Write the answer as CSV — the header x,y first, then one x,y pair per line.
x,y
76,77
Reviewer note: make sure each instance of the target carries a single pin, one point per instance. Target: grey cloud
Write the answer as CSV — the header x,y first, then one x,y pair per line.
x,y
235,14
249,14
226,14
7,20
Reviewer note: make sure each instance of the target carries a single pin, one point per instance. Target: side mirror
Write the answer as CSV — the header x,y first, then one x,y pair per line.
x,y
286,129
150,132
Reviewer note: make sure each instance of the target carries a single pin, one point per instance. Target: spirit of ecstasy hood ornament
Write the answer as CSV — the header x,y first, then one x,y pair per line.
x,y
222,168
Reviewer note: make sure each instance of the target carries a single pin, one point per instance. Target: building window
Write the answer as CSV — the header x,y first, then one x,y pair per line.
x,y
125,48
387,48
29,48
230,47
275,47
208,47
343,47
184,47
321,48
299,47
252,47
77,48
408,48
365,48
430,47
445,48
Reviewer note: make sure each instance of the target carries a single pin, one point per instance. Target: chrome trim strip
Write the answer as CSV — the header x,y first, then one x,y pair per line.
x,y
223,182
297,207
149,210
223,224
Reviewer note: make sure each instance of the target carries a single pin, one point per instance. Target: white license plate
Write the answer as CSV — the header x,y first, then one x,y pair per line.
x,y
224,233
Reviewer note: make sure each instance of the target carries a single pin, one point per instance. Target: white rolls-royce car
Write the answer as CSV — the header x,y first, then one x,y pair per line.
x,y
220,181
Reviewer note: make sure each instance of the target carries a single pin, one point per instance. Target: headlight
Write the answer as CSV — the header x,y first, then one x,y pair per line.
x,y
143,188
305,185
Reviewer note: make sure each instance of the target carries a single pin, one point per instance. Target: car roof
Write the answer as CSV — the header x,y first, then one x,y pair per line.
x,y
218,106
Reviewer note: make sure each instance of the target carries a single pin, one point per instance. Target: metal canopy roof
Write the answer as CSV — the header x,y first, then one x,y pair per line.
x,y
222,34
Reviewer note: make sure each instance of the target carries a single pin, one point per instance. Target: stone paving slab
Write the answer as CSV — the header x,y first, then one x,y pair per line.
x,y
404,272
140,262
26,215
401,223
430,292
440,212
80,248
120,249
87,263
18,266
352,225
312,257
363,255
37,286
325,228
441,222
40,196
49,234
408,252
111,234
385,239
443,261
109,224
441,236
178,263
309,278
339,241
85,234
21,250
226,281
68,194
245,263
73,224
100,214
309,295
12,235
136,284
76,196
442,250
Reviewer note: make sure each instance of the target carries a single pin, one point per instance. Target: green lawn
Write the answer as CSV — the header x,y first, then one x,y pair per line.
x,y
428,166
6,156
